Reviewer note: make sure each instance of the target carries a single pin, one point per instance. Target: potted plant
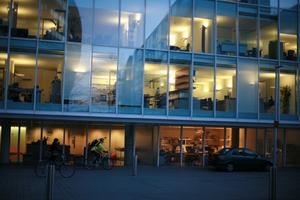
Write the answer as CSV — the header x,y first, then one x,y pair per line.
x,y
285,98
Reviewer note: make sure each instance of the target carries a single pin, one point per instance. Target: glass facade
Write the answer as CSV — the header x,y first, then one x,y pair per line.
x,y
186,58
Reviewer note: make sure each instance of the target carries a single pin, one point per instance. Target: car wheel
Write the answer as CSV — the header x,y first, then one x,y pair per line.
x,y
229,167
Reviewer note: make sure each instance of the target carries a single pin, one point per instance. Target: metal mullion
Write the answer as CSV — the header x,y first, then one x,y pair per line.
x,y
225,136
169,55
258,61
118,62
65,53
215,35
191,84
91,57
237,60
37,57
277,92
181,141
8,56
158,146
144,41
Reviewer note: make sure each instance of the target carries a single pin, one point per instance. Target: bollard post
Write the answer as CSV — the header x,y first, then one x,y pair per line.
x,y
50,181
135,165
272,183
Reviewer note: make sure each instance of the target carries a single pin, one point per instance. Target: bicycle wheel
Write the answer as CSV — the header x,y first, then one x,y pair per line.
x,y
40,169
67,170
107,164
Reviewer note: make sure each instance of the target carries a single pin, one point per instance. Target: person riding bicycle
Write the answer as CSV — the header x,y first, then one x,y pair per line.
x,y
55,150
98,148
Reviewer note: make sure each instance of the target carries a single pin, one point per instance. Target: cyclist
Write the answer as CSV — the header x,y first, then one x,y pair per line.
x,y
55,150
98,148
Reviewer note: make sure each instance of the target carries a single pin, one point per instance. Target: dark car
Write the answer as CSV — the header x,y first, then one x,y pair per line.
x,y
231,159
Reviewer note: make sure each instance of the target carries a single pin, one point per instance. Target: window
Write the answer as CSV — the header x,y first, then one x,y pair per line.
x,y
132,23
4,16
203,26
203,86
157,22
268,33
77,78
80,21
155,82
226,87
247,87
289,4
179,84
269,3
130,76
106,22
24,22
226,28
49,84
267,83
248,31
288,35
52,20
104,79
3,65
181,25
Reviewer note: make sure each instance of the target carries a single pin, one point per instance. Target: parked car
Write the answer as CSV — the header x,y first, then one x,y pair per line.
x,y
231,159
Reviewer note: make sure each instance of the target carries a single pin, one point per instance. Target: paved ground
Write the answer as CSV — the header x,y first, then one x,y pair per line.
x,y
19,182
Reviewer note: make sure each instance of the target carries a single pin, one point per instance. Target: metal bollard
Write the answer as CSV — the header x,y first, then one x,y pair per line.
x,y
50,181
135,165
272,183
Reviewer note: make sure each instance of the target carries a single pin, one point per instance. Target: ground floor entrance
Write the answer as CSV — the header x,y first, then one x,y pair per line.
x,y
159,145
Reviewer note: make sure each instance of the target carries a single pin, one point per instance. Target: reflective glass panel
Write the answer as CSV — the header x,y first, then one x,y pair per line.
x,y
104,79
226,28
226,87
130,77
181,25
267,83
203,86
106,22
268,33
155,82
290,4
4,16
248,31
288,35
203,26
179,84
52,20
49,84
132,23
77,78
247,87
269,3
80,21
157,22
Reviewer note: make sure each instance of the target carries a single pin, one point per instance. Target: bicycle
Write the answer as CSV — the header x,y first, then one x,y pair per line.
x,y
66,169
95,161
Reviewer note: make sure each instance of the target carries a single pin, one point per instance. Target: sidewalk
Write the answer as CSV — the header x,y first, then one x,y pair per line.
x,y
19,182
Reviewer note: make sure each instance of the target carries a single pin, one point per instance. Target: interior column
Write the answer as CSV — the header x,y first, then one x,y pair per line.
x,y
5,142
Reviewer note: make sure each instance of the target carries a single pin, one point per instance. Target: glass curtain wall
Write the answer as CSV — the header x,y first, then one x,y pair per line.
x,y
77,78
226,87
179,84
3,67
248,31
268,33
288,35
288,94
49,81
288,4
203,86
106,22
21,75
24,22
155,82
157,24
204,14
181,25
132,23
247,87
130,77
80,21
52,20
226,28
4,16
104,79
267,83
269,3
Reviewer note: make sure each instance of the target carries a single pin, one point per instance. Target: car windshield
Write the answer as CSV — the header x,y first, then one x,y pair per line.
x,y
223,151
